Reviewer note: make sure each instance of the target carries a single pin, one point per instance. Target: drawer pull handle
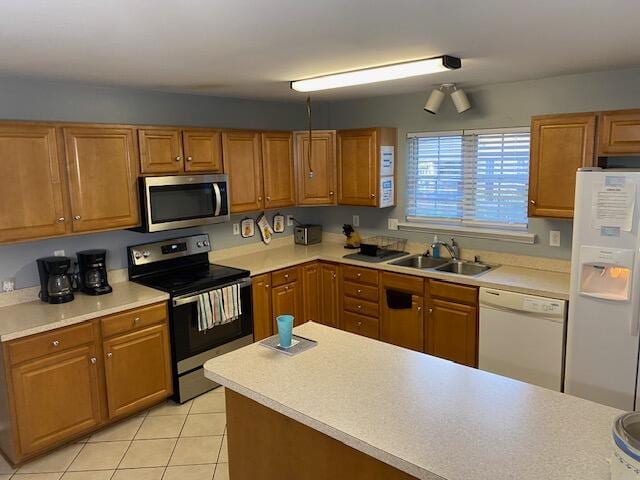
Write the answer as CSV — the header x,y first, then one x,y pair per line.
x,y
286,275
77,217
359,291
359,324
109,355
359,307
359,275
136,320
55,343
286,287
94,360
61,220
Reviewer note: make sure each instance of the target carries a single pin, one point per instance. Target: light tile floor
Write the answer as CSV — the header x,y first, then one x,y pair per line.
x,y
168,442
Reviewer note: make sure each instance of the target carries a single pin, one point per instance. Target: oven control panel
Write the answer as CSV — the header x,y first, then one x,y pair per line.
x,y
168,249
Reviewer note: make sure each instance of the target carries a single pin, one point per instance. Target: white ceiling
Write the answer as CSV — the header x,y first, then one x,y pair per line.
x,y
253,48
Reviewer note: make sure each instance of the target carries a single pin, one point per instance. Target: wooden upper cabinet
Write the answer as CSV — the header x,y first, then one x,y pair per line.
x,y
277,169
160,150
56,397
243,163
137,369
560,144
358,153
202,150
319,188
102,166
619,133
32,171
261,293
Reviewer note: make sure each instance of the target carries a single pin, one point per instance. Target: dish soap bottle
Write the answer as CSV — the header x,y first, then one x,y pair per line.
x,y
435,250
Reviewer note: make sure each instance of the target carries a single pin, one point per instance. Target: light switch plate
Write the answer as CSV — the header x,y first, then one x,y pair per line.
x,y
289,220
392,223
236,229
554,238
356,220
58,253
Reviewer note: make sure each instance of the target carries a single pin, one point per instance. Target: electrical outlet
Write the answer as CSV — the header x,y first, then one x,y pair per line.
x,y
289,220
392,223
58,253
356,221
236,229
8,284
554,238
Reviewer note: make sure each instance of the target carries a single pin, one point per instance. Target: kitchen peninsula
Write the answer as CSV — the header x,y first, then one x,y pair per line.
x,y
356,408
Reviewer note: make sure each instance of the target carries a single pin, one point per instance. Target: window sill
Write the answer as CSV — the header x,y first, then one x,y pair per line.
x,y
474,232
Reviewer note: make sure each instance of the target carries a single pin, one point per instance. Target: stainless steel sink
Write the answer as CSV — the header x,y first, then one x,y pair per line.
x,y
420,262
464,268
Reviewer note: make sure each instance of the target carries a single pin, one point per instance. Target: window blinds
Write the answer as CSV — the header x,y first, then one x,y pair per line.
x,y
474,178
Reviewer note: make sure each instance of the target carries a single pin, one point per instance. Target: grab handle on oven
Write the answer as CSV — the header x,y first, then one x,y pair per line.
x,y
194,298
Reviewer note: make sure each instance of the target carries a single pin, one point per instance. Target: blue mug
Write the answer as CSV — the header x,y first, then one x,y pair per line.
x,y
285,327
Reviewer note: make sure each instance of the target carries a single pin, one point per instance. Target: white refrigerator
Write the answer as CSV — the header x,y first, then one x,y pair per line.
x,y
602,329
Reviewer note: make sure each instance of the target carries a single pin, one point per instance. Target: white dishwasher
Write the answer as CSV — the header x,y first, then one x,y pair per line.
x,y
522,337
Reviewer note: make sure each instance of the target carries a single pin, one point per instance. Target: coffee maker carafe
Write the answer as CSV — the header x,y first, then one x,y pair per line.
x,y
92,269
55,280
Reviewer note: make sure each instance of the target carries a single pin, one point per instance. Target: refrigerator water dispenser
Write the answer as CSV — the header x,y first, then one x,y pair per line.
x,y
606,273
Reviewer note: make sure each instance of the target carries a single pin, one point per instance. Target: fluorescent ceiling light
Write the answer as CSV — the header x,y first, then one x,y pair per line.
x,y
378,74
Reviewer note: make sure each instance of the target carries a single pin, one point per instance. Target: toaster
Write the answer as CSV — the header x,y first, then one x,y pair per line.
x,y
307,234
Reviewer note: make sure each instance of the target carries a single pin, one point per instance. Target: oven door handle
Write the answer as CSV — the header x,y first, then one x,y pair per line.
x,y
216,190
194,298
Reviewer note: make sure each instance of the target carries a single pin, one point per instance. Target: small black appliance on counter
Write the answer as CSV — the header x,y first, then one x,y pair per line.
x,y
92,269
55,279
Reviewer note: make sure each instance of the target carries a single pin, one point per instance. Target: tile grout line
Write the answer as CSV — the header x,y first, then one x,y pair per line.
x,y
177,440
130,443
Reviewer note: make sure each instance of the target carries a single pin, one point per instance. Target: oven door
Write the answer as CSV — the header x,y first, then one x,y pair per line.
x,y
181,201
189,341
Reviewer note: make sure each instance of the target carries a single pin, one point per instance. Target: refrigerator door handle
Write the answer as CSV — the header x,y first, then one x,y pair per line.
x,y
634,321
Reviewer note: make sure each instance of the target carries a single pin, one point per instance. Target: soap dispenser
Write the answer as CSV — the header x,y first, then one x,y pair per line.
x,y
435,249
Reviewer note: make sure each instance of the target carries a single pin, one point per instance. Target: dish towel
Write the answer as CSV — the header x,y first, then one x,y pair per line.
x,y
219,307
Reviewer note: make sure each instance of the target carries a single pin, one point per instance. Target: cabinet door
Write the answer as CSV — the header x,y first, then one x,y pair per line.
x,y
403,327
102,166
243,163
277,168
311,288
619,133
357,167
137,370
262,318
56,397
202,150
319,189
559,146
160,150
287,300
329,296
32,183
452,332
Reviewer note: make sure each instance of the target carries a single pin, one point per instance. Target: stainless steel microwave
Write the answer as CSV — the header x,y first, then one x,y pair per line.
x,y
182,201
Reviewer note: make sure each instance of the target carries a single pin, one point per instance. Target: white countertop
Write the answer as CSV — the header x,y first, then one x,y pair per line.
x,y
34,317
426,416
515,279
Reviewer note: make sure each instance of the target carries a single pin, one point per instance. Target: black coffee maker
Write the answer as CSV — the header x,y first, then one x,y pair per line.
x,y
55,279
92,269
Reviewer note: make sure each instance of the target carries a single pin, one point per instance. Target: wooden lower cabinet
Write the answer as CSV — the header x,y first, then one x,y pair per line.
x,y
261,293
402,310
137,370
56,397
312,292
59,385
287,300
329,295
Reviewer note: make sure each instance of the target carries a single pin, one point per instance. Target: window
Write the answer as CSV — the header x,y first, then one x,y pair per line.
x,y
474,178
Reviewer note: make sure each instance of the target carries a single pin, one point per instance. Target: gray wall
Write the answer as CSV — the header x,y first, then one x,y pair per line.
x,y
498,105
28,99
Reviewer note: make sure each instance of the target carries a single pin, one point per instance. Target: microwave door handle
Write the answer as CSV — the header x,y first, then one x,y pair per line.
x,y
216,190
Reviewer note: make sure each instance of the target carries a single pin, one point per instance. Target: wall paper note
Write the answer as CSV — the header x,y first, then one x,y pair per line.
x,y
387,153
613,204
386,192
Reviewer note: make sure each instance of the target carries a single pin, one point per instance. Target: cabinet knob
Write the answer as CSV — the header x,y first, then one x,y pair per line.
x,y
268,198
532,202
419,308
286,275
333,275
359,275
266,285
372,196
136,320
178,158
61,220
359,324
359,291
431,310
359,307
55,343
76,217
286,287
259,199
109,355
94,360
331,194
189,159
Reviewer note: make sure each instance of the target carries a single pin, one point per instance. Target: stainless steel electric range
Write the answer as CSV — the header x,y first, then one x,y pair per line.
x,y
181,268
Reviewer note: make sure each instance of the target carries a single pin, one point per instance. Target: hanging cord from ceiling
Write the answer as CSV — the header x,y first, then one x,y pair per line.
x,y
311,172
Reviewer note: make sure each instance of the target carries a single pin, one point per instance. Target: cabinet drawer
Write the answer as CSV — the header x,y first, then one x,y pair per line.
x,y
50,342
133,319
364,292
452,291
354,323
360,306
362,275
283,276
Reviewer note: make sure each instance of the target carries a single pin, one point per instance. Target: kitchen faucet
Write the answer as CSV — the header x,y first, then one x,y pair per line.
x,y
452,248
